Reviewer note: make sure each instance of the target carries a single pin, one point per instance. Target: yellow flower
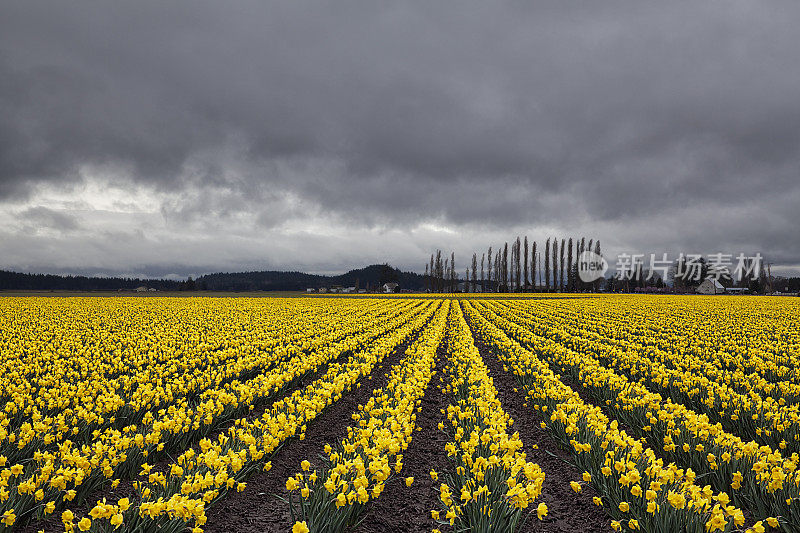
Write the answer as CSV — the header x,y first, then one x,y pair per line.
x,y
291,484
124,503
772,521
67,516
341,500
624,507
633,524
598,501
435,515
85,524
541,510
116,520
300,527
409,481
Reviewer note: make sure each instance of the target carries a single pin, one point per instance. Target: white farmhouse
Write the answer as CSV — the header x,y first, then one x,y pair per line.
x,y
390,287
710,286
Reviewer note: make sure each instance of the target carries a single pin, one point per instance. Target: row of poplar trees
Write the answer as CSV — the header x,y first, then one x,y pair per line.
x,y
527,269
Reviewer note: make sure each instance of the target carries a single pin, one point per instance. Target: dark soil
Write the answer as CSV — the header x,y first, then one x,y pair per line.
x,y
407,509
257,508
567,512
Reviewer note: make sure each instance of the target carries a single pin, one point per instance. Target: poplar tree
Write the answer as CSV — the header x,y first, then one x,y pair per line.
x,y
547,265
597,251
511,268
534,267
504,266
491,267
474,273
439,271
526,261
497,271
570,273
483,284
561,267
452,271
555,264
430,281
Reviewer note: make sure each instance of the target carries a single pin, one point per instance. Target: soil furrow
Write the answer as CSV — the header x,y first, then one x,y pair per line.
x,y
257,508
405,509
568,512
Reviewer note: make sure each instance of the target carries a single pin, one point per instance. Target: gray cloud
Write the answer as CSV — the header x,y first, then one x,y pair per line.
x,y
43,218
276,122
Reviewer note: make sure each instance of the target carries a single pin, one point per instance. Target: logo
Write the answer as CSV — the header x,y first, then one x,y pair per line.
x,y
591,266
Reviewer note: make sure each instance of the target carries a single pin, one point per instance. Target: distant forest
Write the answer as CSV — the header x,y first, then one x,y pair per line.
x,y
15,281
370,277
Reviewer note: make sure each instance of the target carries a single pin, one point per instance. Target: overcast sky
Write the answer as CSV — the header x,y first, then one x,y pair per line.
x,y
174,138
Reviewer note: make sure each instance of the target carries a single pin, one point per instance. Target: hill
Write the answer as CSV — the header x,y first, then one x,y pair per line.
x,y
271,280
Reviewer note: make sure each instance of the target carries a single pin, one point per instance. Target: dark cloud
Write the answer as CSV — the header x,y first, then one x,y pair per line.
x,y
276,120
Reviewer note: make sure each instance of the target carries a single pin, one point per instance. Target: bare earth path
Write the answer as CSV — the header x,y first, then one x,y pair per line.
x,y
404,509
568,512
256,509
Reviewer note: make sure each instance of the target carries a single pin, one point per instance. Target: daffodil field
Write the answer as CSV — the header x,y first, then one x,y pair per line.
x,y
669,413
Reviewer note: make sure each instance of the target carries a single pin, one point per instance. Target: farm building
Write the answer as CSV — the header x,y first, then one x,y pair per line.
x,y
390,287
710,286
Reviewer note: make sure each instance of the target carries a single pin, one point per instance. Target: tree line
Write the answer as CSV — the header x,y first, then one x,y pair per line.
x,y
520,267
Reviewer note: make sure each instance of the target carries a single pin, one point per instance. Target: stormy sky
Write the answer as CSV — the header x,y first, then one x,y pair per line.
x,y
174,138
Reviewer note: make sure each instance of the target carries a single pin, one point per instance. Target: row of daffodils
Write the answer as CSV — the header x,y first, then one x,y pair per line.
x,y
695,421
489,484
175,498
331,496
740,381
758,477
58,477
637,488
